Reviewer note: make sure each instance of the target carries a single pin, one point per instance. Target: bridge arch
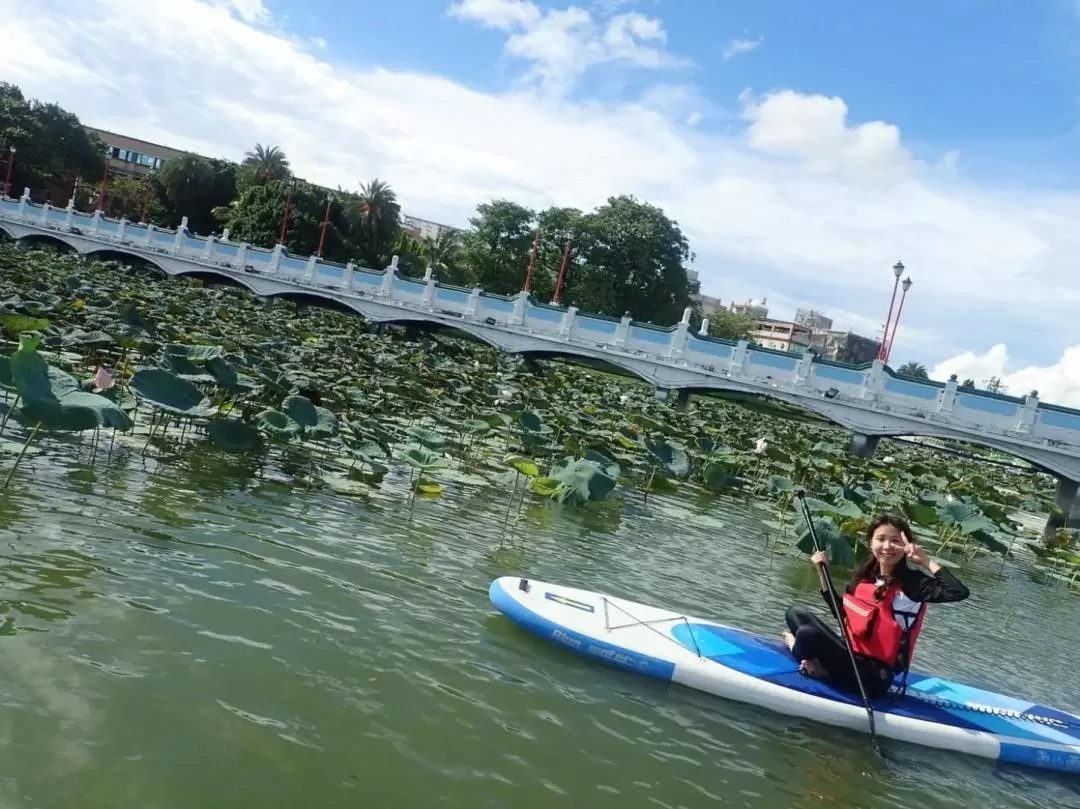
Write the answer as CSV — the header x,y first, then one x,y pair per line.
x,y
127,257
610,364
316,298
49,239
213,276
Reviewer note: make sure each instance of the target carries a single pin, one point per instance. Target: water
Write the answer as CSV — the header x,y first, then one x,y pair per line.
x,y
194,635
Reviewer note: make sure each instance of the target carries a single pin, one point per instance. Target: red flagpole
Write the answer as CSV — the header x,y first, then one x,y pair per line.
x,y
285,219
325,222
898,270
532,260
562,272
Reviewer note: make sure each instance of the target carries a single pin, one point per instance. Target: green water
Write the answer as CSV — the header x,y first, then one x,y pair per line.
x,y
194,635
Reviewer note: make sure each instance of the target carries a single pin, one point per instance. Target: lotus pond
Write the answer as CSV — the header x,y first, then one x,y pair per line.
x,y
247,547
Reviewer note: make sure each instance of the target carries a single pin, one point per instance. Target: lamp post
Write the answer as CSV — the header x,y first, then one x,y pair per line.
x,y
325,222
7,176
900,310
898,270
104,184
288,206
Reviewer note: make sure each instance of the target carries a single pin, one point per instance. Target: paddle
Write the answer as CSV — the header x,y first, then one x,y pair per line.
x,y
801,493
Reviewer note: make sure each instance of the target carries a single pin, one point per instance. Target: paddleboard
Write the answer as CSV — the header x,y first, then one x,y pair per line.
x,y
735,664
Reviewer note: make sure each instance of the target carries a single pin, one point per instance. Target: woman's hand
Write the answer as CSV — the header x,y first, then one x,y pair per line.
x,y
820,558
916,554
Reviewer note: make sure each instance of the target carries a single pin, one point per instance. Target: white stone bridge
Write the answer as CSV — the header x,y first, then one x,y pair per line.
x,y
871,400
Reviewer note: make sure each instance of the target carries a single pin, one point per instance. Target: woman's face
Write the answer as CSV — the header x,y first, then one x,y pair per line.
x,y
887,545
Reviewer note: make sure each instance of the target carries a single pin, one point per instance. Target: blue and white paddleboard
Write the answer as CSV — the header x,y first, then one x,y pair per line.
x,y
739,665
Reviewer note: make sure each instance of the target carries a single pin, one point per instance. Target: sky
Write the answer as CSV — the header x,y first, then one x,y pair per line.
x,y
803,147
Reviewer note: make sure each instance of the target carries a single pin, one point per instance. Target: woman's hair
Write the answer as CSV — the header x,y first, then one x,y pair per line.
x,y
868,569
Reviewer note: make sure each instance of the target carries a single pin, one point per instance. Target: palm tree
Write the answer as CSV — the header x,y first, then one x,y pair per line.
x,y
443,255
915,370
269,162
375,220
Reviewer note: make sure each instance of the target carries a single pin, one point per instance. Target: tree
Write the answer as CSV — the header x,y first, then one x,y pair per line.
x,y
633,262
968,383
374,220
994,385
195,187
257,215
913,370
52,148
443,254
729,325
263,164
497,246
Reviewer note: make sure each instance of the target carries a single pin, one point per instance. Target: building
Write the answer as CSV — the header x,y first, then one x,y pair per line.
x,y
752,308
709,304
783,335
131,157
813,319
425,229
844,346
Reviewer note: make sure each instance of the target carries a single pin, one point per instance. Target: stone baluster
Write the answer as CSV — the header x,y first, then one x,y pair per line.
x,y
566,328
24,203
472,308
680,335
429,289
520,305
70,211
241,256
275,258
312,269
97,221
805,367
210,247
947,396
389,274
45,211
181,233
874,380
1028,412
738,358
350,272
121,227
622,331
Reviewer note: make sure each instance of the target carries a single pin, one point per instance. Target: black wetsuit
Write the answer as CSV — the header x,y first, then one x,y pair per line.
x,y
815,640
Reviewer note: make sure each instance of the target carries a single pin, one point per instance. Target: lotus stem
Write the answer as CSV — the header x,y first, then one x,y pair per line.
x,y
22,452
8,413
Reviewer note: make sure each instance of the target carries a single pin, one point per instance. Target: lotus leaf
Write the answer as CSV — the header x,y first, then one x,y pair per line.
x,y
166,391
957,512
831,540
422,458
301,410
522,465
581,481
427,437
233,435
16,324
326,426
673,457
277,424
721,475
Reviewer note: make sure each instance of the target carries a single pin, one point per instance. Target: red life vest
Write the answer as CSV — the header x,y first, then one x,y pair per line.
x,y
872,628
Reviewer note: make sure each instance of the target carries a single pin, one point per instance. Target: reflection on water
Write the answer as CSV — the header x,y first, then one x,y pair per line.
x,y
197,634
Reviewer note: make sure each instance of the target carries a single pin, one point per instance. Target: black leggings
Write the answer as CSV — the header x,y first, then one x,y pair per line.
x,y
814,640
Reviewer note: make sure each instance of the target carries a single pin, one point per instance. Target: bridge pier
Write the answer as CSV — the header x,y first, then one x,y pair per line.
x,y
1065,498
682,401
864,446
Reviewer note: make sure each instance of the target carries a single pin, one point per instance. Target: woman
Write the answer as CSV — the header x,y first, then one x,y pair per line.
x,y
883,608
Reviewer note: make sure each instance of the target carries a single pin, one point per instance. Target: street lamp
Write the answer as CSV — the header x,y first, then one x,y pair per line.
x,y
7,177
906,286
898,270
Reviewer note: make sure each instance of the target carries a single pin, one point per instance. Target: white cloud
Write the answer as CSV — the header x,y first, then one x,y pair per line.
x,y
795,201
1058,383
250,11
735,47
563,44
816,130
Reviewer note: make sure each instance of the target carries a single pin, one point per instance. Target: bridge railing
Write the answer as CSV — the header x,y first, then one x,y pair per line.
x,y
873,386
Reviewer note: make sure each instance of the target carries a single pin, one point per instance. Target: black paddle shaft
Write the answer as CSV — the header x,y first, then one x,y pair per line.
x,y
840,617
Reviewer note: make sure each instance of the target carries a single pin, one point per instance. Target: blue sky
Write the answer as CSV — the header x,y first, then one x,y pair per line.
x,y
995,78
803,146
